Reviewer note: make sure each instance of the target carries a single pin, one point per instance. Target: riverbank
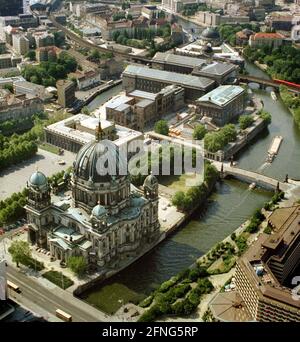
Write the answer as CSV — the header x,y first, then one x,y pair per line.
x,y
292,102
99,90
170,299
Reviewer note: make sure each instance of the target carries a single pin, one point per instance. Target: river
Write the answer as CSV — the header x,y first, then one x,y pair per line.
x,y
229,206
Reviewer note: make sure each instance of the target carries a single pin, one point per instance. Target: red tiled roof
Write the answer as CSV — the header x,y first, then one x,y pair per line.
x,y
263,35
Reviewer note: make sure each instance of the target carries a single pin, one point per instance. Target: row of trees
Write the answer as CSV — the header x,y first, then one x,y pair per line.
x,y
144,34
189,10
177,295
47,73
194,196
21,254
216,141
15,152
292,101
12,208
283,62
9,127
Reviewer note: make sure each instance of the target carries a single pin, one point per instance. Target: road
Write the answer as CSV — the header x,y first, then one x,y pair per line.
x,y
50,300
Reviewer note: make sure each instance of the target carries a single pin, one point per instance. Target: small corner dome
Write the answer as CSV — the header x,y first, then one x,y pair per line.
x,y
150,181
98,211
38,179
207,48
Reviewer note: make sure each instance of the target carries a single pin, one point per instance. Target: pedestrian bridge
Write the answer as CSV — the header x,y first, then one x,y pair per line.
x,y
247,176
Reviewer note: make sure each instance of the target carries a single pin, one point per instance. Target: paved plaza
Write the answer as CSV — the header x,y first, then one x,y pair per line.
x,y
14,178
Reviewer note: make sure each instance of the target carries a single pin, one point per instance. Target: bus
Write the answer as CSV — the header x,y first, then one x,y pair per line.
x,y
63,315
13,286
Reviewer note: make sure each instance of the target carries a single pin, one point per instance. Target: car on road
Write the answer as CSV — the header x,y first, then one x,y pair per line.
x,y
61,162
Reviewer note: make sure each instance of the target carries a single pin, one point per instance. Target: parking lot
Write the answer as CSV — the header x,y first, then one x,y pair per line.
x,y
14,178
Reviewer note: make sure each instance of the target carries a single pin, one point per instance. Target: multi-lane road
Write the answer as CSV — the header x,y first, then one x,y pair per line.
x,y
42,300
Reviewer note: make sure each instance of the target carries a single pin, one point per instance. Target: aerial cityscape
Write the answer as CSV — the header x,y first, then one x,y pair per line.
x,y
149,161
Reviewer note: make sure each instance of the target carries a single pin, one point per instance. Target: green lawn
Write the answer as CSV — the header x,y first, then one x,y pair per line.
x,y
110,298
33,263
177,183
49,148
58,279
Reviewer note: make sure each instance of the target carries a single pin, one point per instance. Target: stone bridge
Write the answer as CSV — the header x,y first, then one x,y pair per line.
x,y
259,179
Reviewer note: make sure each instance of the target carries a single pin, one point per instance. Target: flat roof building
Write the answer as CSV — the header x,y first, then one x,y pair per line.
x,y
65,93
74,132
222,104
153,80
264,273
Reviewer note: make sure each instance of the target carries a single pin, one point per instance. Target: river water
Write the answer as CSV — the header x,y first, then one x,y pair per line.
x,y
229,206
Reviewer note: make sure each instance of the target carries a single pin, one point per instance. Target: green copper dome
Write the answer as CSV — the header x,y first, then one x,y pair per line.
x,y
98,211
38,179
150,181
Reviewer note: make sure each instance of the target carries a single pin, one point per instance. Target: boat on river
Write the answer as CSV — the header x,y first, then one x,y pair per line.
x,y
252,186
274,148
273,95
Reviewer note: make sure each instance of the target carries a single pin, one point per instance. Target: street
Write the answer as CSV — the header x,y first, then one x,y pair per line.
x,y
48,300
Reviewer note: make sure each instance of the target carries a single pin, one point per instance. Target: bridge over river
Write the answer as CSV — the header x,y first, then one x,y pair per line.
x,y
291,188
263,181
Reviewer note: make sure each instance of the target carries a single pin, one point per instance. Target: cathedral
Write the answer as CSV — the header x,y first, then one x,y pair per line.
x,y
104,220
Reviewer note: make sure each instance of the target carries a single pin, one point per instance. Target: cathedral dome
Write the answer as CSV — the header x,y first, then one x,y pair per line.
x,y
150,181
98,211
99,162
38,179
210,33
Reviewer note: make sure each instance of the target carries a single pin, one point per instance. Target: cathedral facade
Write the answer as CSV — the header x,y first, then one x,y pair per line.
x,y
103,220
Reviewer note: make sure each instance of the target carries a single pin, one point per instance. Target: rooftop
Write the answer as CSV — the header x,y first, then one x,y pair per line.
x,y
217,68
144,103
180,60
143,94
222,95
263,35
278,246
65,128
170,77
117,101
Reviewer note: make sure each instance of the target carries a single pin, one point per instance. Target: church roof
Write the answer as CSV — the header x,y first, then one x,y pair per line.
x,y
38,179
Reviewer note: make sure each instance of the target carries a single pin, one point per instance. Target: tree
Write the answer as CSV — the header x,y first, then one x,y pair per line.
x,y
199,132
178,200
245,121
266,117
162,127
213,142
229,133
59,38
85,110
77,264
9,87
19,251
31,55
95,55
